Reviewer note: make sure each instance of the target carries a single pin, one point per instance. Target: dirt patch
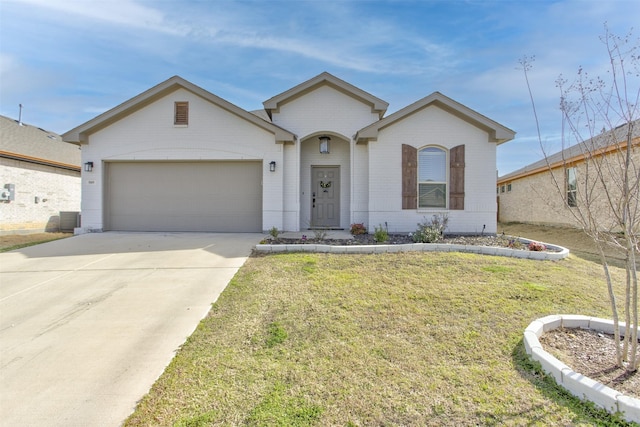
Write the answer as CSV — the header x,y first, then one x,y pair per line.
x,y
591,353
15,241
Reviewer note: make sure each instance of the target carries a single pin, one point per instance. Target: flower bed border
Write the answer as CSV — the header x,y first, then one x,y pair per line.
x,y
560,252
582,387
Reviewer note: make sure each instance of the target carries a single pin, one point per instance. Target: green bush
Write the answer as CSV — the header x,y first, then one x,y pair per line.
x,y
380,234
431,231
274,232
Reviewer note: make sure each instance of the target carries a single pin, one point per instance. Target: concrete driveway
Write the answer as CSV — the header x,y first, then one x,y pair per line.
x,y
87,324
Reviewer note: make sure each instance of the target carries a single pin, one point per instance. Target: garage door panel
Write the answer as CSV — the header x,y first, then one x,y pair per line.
x,y
174,196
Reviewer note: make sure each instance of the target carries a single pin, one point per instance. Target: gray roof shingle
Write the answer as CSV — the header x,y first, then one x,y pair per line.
x,y
615,136
34,144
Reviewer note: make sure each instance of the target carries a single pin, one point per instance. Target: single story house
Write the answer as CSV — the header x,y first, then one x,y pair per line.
x,y
39,179
553,191
321,154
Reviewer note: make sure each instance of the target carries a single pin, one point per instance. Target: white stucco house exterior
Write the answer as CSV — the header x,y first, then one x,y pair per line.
x,y
321,154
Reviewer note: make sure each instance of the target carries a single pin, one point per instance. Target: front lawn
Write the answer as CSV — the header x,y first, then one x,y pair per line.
x,y
392,339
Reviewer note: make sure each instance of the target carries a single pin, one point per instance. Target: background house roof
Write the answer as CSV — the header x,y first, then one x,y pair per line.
x,y
79,134
377,105
497,132
578,151
33,144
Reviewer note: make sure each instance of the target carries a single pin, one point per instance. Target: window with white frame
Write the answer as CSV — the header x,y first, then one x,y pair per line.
x,y
432,178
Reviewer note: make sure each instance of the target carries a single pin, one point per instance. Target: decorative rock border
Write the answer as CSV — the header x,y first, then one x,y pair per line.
x,y
577,384
420,247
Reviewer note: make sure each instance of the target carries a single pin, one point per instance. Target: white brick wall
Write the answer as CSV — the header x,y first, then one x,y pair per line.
x,y
212,134
56,189
370,173
324,110
432,126
291,187
360,195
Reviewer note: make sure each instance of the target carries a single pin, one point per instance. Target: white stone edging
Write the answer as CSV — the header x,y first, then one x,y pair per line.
x,y
582,387
420,247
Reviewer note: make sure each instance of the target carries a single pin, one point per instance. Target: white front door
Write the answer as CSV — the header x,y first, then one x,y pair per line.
x,y
325,196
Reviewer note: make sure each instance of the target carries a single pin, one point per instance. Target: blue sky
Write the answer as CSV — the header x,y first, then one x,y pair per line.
x,y
67,61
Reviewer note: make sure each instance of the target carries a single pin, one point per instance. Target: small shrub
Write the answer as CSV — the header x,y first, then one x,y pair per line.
x,y
320,233
510,241
515,244
536,246
431,231
358,228
274,232
380,234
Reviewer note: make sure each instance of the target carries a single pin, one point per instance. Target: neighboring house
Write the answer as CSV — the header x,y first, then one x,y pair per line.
x,y
39,179
321,154
552,191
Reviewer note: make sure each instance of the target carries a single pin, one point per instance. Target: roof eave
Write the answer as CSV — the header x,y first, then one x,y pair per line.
x,y
496,132
80,134
40,161
378,106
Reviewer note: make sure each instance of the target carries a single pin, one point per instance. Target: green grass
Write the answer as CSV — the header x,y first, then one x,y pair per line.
x,y
25,245
393,339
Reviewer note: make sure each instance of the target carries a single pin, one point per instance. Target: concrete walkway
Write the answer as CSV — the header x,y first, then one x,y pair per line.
x,y
87,324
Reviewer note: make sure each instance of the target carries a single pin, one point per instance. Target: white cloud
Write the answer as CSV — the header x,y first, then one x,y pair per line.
x,y
116,12
330,34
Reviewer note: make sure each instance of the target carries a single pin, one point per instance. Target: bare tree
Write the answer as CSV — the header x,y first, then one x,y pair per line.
x,y
601,116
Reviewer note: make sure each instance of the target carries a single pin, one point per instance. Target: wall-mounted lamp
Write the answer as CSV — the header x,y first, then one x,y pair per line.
x,y
272,166
324,144
88,167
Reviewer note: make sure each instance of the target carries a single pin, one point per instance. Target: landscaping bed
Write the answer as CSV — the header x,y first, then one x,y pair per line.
x,y
501,241
592,353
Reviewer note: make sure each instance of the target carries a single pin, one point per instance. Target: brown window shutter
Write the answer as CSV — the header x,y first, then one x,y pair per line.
x,y
409,177
456,178
182,113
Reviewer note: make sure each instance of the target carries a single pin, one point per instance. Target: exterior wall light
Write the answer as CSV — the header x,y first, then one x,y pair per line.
x,y
324,144
272,166
88,167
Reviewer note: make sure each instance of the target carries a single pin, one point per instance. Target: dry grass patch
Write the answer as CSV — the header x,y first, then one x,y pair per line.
x,y
10,242
392,339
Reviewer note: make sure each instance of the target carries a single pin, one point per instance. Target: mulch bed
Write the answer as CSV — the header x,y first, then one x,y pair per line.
x,y
400,239
591,353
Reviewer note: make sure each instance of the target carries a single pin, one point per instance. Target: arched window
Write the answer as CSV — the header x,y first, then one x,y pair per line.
x,y
432,178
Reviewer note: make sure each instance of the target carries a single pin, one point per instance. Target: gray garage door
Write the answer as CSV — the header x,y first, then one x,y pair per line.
x,y
184,196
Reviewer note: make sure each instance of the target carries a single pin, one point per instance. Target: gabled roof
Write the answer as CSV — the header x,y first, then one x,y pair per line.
x,y
79,135
603,143
497,132
32,144
377,105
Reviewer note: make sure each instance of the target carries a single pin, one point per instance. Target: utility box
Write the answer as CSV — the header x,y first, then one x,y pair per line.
x,y
8,193
69,221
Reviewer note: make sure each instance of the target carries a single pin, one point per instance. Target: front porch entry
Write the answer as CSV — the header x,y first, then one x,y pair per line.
x,y
325,197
